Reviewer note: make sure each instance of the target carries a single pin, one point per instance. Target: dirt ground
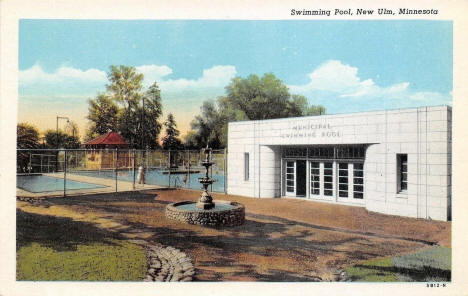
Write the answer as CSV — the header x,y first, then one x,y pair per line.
x,y
282,239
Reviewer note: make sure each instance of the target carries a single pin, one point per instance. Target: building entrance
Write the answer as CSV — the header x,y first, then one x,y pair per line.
x,y
334,173
301,178
296,178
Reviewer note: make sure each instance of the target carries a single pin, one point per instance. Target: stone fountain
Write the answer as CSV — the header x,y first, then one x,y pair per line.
x,y
205,211
206,201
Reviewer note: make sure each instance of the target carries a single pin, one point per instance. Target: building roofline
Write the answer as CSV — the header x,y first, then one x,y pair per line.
x,y
334,114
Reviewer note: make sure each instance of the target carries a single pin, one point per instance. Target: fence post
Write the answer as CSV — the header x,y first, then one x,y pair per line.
x,y
169,168
189,165
116,154
146,157
65,175
133,163
211,170
30,163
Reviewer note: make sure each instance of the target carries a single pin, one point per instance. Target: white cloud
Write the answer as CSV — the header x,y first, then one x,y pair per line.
x,y
153,73
35,75
65,80
214,77
334,82
73,81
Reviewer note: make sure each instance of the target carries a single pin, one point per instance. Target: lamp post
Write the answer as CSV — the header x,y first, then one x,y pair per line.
x,y
57,138
56,134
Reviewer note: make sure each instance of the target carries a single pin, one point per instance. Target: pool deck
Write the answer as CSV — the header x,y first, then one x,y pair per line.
x,y
108,183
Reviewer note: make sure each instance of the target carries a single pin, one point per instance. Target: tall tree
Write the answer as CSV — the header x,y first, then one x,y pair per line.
x,y
127,109
250,98
61,140
150,110
303,107
207,127
103,116
124,87
27,137
171,140
261,98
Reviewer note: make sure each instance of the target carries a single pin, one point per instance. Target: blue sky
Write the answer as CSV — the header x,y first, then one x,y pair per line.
x,y
344,65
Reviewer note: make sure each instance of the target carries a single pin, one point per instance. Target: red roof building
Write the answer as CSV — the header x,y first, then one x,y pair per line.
x,y
110,140
97,158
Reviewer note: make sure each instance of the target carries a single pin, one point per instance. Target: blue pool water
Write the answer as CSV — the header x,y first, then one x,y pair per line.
x,y
40,183
156,177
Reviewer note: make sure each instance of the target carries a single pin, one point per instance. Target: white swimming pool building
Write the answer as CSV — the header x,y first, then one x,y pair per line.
x,y
394,162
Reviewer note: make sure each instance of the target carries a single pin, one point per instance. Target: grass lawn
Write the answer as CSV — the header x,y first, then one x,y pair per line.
x,y
121,261
60,249
430,264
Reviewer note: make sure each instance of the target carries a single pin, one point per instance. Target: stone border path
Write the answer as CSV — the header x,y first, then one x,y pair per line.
x,y
166,264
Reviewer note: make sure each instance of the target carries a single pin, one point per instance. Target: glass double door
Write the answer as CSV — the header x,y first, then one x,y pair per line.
x,y
331,180
350,181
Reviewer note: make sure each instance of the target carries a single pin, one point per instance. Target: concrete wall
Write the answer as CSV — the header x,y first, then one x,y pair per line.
x,y
422,133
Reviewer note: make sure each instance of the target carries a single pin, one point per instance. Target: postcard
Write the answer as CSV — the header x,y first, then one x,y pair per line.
x,y
277,148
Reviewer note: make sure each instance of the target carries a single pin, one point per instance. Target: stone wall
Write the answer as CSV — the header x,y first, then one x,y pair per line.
x,y
232,217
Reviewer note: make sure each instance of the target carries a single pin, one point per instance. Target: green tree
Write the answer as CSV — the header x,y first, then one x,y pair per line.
x,y
124,87
127,109
103,116
61,140
171,140
149,110
261,98
208,127
300,102
27,137
190,141
251,98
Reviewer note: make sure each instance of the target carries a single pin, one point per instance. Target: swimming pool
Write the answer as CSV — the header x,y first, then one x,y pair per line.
x,y
157,177
41,183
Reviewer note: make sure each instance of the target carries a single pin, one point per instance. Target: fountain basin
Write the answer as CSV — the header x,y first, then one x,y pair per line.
x,y
224,213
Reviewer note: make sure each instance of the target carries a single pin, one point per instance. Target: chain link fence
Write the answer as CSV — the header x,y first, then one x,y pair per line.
x,y
70,171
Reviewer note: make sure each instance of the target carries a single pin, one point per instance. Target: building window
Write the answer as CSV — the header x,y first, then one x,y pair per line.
x,y
315,178
290,177
343,179
295,152
328,178
402,172
246,166
358,180
325,152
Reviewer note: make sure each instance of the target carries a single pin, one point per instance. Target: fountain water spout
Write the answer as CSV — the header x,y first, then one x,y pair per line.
x,y
206,201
